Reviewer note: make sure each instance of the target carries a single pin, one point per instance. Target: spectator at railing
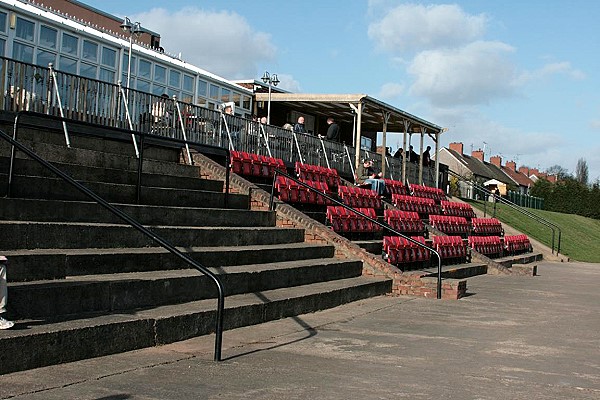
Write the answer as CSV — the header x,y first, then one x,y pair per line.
x,y
366,174
426,156
333,132
299,127
399,153
412,156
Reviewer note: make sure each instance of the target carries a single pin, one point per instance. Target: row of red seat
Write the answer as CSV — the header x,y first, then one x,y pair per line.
x,y
395,187
457,209
427,192
398,250
317,173
250,164
343,220
404,221
354,196
450,248
487,226
517,244
450,225
487,245
291,192
417,204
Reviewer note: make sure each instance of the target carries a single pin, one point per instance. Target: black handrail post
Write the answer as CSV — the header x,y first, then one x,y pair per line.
x,y
138,189
272,199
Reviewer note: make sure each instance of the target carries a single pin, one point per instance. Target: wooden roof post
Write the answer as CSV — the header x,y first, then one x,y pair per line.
x,y
386,118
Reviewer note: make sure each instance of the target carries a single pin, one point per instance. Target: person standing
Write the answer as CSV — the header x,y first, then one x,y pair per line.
x,y
426,156
333,132
4,323
299,127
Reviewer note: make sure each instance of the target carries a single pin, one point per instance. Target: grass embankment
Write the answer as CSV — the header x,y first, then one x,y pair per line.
x,y
580,236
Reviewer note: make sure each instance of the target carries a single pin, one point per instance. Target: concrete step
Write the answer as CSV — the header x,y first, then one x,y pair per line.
x,y
117,292
456,271
372,246
113,175
51,235
57,189
89,138
99,159
76,211
46,264
124,331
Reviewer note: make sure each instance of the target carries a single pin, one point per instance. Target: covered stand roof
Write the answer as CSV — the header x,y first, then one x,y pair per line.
x,y
338,106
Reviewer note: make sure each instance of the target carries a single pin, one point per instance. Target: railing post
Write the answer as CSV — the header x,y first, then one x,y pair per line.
x,y
60,107
128,117
187,147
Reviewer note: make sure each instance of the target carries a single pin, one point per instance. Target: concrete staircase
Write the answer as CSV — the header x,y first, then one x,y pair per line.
x,y
83,284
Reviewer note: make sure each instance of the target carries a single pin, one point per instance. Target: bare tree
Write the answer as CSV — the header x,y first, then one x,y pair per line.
x,y
582,172
559,171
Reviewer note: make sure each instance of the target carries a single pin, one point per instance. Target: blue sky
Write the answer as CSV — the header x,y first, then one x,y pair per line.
x,y
520,78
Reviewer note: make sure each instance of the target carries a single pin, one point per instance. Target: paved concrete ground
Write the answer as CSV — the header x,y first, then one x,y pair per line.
x,y
513,338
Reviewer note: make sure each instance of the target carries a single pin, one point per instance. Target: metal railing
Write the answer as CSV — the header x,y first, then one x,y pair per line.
x,y
476,187
381,224
132,222
28,87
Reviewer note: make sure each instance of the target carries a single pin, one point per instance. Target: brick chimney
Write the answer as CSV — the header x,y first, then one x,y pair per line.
x,y
511,165
457,147
496,160
524,171
535,171
478,154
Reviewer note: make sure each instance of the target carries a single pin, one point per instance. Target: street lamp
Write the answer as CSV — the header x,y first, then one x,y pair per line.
x,y
133,29
271,80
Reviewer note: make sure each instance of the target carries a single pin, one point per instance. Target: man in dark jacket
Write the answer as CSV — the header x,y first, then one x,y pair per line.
x,y
333,132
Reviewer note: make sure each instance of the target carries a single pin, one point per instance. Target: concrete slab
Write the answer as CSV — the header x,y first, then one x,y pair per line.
x,y
514,338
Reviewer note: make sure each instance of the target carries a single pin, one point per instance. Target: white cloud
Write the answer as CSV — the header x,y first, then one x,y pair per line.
x,y
287,82
410,27
595,124
551,69
473,74
222,42
390,91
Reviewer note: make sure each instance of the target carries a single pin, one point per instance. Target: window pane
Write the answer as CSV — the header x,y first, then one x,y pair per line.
x,y
88,70
107,75
188,83
109,57
237,99
201,102
90,51
143,86
187,98
2,44
202,86
225,95
68,65
214,92
172,92
158,90
48,37
2,22
175,78
160,74
246,103
126,61
45,57
144,69
69,44
24,29
22,52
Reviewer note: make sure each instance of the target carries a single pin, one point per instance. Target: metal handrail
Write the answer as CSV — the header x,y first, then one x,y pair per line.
x,y
142,135
156,238
383,225
518,208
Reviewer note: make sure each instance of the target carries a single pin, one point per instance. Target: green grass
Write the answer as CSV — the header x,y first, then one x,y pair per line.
x,y
580,236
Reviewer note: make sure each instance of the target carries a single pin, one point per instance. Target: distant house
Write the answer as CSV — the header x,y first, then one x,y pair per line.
x,y
522,181
474,168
